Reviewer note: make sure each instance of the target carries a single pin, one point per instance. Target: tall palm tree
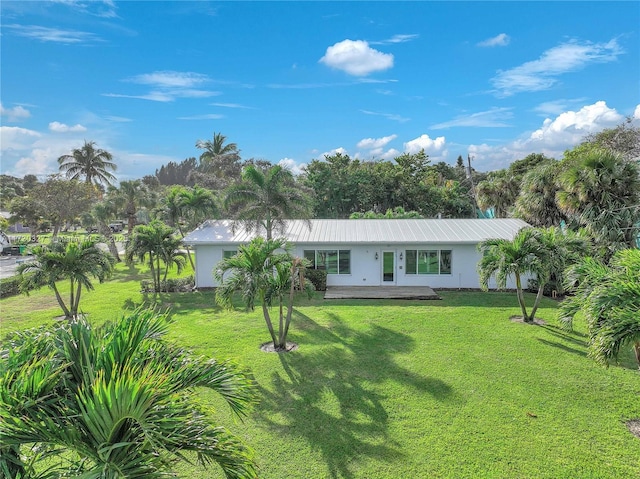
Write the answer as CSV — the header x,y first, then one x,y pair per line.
x,y
185,208
130,196
76,262
88,162
601,192
265,200
253,271
114,401
218,158
609,298
156,244
503,258
536,203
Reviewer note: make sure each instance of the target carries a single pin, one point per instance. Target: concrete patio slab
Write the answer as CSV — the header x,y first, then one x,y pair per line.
x,y
380,292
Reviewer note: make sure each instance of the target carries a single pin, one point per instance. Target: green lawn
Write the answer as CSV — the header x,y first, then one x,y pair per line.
x,y
401,389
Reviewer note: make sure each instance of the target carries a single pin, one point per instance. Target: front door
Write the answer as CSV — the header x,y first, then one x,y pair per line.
x,y
388,267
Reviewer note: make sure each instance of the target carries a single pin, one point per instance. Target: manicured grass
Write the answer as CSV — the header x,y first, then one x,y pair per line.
x,y
402,389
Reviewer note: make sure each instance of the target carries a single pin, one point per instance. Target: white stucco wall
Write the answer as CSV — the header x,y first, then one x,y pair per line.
x,y
366,270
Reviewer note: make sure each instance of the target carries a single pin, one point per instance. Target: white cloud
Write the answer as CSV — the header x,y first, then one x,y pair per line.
x,y
16,113
170,79
552,138
372,143
432,147
636,113
500,40
15,138
399,38
541,74
98,8
494,118
232,105
356,58
390,116
58,127
56,35
168,85
292,166
340,150
118,119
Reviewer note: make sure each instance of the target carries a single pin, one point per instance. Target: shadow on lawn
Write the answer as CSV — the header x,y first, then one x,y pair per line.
x,y
333,397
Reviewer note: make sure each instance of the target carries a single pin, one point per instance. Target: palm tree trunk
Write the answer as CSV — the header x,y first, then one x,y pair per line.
x,y
281,340
193,266
636,350
267,318
153,273
520,295
76,306
65,310
289,311
72,298
537,301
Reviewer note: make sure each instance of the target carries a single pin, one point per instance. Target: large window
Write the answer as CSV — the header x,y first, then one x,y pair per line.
x,y
331,260
420,261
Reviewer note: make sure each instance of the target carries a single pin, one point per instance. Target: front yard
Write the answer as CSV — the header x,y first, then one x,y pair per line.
x,y
401,389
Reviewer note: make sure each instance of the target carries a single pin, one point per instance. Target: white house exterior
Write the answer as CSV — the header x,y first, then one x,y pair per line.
x,y
439,253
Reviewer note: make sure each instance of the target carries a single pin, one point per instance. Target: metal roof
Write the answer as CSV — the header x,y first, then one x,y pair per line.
x,y
368,231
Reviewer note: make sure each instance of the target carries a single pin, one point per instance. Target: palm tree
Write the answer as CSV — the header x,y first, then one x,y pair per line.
x,y
190,206
255,269
601,192
156,244
130,196
219,158
76,262
265,200
536,203
503,258
498,192
90,163
609,298
114,401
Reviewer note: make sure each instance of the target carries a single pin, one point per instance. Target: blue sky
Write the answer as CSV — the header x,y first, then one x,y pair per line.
x,y
292,81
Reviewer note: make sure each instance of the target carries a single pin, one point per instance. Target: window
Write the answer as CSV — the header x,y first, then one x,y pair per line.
x,y
427,261
330,260
229,253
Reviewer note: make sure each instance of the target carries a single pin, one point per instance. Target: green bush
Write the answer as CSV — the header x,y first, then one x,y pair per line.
x,y
173,285
11,286
318,277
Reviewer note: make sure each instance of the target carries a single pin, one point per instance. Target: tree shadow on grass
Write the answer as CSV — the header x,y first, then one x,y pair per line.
x,y
331,393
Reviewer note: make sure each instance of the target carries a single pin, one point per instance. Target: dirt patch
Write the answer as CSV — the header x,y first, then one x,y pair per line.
x,y
268,348
520,319
634,427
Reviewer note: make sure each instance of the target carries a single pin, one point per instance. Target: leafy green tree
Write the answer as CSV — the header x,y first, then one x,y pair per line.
x,y
156,244
609,298
29,210
88,162
601,192
63,200
503,258
114,401
75,262
537,203
259,272
266,200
